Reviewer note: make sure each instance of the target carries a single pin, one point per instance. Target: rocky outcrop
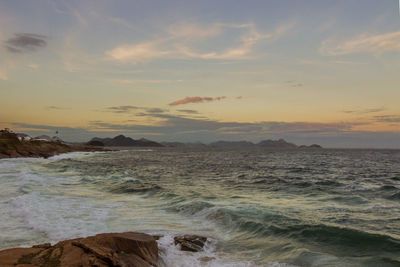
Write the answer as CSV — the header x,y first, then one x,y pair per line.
x,y
192,243
128,249
12,147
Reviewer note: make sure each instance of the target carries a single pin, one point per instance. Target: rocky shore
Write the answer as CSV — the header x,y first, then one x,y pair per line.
x,y
128,249
12,147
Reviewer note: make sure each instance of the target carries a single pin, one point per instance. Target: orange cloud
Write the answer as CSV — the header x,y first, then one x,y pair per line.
x,y
196,99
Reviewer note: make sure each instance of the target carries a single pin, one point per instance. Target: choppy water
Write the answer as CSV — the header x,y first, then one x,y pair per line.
x,y
266,208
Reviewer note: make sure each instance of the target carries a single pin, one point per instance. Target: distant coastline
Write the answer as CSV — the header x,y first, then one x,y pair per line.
x,y
14,145
123,141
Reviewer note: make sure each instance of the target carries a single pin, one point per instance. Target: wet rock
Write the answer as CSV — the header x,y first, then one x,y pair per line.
x,y
193,243
117,249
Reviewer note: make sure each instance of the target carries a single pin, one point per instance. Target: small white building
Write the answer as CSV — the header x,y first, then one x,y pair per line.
x,y
23,137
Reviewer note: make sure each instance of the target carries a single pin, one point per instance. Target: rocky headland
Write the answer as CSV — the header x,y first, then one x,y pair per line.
x,y
128,249
13,146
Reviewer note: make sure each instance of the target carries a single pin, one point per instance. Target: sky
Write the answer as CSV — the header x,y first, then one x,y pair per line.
x,y
310,71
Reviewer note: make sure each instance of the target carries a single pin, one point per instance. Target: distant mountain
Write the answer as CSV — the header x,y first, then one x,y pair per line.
x,y
180,144
313,146
234,144
173,144
122,140
271,144
281,144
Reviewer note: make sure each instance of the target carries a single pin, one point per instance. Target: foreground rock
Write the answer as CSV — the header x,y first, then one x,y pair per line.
x,y
13,147
193,243
116,249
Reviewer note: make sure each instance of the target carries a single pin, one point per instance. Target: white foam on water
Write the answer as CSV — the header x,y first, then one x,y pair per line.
x,y
36,204
72,155
61,217
130,179
171,256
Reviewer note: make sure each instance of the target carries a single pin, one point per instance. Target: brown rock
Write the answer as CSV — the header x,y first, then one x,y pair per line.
x,y
117,249
193,243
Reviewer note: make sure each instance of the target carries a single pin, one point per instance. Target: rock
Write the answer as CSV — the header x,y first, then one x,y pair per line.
x,y
193,243
116,249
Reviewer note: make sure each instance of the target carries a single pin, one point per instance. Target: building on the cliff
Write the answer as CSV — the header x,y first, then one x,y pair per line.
x,y
23,137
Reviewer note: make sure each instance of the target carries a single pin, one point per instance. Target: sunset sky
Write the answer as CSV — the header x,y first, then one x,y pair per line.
x,y
309,71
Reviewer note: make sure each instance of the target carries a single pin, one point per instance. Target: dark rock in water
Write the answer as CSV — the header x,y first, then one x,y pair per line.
x,y
193,243
116,249
95,143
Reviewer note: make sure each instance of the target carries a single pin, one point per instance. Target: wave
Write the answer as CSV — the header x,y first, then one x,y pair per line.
x,y
253,222
356,240
131,189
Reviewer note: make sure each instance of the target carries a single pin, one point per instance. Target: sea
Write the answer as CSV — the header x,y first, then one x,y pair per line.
x,y
323,207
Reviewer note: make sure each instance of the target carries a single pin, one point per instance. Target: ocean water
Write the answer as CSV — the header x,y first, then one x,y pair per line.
x,y
259,207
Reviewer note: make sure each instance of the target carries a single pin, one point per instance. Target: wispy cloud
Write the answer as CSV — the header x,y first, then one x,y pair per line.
x,y
138,52
25,42
388,118
130,109
5,67
134,81
365,111
196,99
55,108
180,41
375,44
294,84
122,109
73,57
188,111
312,126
